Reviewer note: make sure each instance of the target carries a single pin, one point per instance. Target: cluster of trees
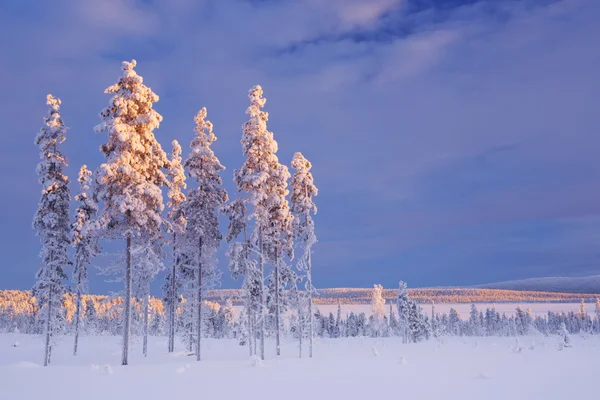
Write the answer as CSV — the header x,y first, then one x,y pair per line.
x,y
402,318
123,200
490,322
451,295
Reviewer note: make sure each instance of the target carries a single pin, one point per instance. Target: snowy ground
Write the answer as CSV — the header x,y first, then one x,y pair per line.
x,y
455,368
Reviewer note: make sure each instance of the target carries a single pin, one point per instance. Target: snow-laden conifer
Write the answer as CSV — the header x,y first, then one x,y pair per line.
x,y
241,264
51,223
303,227
378,309
403,305
178,224
84,241
129,182
202,236
265,181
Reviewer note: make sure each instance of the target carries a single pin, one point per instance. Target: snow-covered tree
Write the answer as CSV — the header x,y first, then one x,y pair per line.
x,y
178,223
265,180
85,243
377,309
202,236
51,222
303,227
241,264
129,182
563,333
403,305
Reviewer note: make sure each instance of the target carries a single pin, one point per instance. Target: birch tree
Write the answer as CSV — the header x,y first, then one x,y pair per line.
x,y
303,227
51,223
178,223
85,243
129,182
202,211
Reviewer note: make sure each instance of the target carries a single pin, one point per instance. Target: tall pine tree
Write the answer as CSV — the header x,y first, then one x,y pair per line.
x,y
129,182
51,223
201,209
85,243
262,177
303,227
178,223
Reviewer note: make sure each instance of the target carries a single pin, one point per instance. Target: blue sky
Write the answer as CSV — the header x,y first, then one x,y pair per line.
x,y
453,142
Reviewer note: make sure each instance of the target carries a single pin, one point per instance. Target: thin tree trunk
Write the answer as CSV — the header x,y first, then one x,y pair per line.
x,y
262,292
146,312
127,321
277,308
300,327
191,323
254,327
310,313
250,328
173,308
47,350
77,312
199,327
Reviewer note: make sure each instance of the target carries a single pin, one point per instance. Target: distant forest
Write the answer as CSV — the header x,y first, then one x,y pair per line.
x,y
19,302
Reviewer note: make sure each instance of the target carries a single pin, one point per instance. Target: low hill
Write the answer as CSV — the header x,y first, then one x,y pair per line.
x,y
588,284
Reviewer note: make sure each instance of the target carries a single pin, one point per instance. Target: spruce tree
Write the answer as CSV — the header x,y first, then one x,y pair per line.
x,y
51,223
201,208
303,227
84,241
403,305
178,224
129,182
265,180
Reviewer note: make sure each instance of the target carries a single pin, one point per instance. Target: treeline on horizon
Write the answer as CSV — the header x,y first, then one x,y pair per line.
x,y
17,302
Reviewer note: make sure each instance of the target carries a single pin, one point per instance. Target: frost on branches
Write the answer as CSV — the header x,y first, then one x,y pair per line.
x,y
241,264
265,181
178,224
202,236
303,229
51,223
129,182
85,243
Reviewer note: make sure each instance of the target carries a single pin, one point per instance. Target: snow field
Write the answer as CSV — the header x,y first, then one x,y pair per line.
x,y
352,368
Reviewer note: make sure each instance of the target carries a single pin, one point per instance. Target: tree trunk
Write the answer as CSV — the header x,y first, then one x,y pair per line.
x,y
77,312
250,327
199,327
261,314
310,313
47,350
127,321
277,308
191,322
146,312
300,327
172,306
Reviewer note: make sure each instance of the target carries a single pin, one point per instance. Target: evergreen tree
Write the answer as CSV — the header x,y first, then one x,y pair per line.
x,y
129,182
85,243
378,309
178,224
303,227
265,180
403,305
90,318
201,209
51,222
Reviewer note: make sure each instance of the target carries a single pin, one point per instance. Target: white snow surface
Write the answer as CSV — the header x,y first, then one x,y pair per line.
x,y
451,368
